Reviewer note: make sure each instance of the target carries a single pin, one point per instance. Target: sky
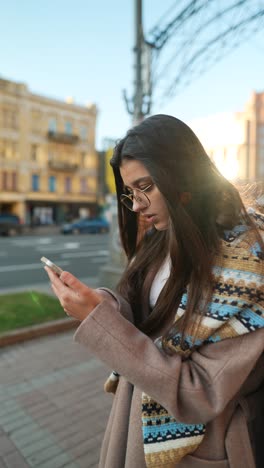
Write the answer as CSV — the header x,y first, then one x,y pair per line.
x,y
84,49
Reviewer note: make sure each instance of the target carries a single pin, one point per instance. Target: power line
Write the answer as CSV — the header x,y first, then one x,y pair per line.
x,y
188,39
210,52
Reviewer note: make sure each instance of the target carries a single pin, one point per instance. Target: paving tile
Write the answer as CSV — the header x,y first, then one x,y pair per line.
x,y
71,465
46,453
85,449
88,460
56,462
6,445
32,398
36,447
15,460
51,394
29,438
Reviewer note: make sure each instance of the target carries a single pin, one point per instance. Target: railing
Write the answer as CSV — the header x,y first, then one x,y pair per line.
x,y
62,166
61,137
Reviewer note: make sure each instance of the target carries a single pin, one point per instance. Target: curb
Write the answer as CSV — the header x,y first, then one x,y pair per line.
x,y
35,331
40,230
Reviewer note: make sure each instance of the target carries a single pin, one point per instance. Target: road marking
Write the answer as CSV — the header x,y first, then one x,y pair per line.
x,y
57,248
98,260
72,245
32,241
44,240
85,254
27,266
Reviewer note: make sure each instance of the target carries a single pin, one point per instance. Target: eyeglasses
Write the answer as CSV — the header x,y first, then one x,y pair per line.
x,y
139,195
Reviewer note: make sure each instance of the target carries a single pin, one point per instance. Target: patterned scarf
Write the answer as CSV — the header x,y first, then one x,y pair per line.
x,y
236,308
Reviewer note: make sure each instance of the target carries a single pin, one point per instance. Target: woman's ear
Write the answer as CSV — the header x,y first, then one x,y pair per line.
x,y
185,198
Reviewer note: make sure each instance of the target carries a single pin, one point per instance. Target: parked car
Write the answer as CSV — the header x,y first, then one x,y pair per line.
x,y
86,225
10,224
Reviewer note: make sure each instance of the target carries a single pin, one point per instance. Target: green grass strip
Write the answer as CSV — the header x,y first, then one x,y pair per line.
x,y
27,308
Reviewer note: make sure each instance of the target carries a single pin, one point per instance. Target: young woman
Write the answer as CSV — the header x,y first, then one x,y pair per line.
x,y
185,331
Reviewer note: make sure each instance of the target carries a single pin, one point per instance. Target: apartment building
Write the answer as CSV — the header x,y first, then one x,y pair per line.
x,y
235,141
254,116
48,161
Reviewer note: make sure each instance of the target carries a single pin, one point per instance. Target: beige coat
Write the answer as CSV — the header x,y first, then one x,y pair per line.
x,y
219,385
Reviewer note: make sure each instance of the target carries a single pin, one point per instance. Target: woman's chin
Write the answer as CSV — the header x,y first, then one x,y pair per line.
x,y
161,226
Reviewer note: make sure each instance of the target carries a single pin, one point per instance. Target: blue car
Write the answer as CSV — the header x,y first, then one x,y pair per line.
x,y
85,226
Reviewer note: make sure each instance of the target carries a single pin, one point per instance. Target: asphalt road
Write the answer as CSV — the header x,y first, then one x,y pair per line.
x,y
20,265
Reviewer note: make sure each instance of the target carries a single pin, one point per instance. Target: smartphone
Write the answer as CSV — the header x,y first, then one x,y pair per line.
x,y
55,268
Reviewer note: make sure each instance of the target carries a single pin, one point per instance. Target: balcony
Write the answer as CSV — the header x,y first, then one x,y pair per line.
x,y
62,166
60,137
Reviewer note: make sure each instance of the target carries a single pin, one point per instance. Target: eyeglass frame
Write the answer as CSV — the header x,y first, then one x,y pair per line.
x,y
131,197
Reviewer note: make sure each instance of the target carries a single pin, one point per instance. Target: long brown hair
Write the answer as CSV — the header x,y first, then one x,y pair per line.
x,y
177,162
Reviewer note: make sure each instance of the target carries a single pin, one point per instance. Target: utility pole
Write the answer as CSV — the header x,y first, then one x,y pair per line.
x,y
138,91
139,105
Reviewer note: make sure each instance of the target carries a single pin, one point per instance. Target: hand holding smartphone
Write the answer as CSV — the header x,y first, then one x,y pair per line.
x,y
55,268
80,300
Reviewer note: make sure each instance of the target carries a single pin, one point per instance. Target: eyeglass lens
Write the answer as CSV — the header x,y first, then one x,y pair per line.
x,y
140,198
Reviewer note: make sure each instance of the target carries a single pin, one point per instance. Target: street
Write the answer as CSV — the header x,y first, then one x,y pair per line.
x,y
20,265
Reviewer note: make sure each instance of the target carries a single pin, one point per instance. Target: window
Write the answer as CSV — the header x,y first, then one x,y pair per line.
x,y
83,159
36,121
9,181
34,150
13,120
35,182
84,187
83,133
4,180
261,151
261,166
14,151
52,124
68,128
261,133
67,184
3,148
14,181
8,149
52,184
9,118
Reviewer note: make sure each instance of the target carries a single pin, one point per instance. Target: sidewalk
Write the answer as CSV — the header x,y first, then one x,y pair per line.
x,y
47,230
53,409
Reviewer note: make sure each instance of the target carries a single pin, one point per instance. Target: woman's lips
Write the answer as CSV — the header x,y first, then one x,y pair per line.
x,y
150,218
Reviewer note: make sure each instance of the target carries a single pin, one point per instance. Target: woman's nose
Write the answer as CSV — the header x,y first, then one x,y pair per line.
x,y
136,206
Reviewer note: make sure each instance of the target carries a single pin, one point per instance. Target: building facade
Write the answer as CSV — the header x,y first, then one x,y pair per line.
x,y
48,161
235,141
254,114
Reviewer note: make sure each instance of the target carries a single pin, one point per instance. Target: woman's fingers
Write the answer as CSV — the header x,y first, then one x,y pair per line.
x,y
52,276
75,297
71,281
85,295
59,288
